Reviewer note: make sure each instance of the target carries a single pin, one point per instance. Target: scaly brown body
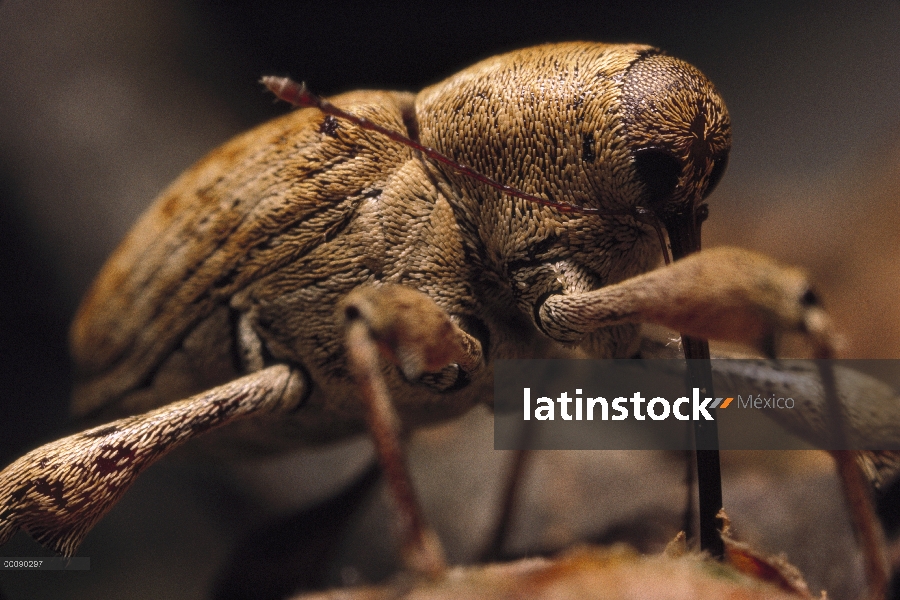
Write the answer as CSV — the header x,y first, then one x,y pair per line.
x,y
262,239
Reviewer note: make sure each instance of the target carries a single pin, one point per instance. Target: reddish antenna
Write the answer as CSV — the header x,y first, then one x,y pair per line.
x,y
298,94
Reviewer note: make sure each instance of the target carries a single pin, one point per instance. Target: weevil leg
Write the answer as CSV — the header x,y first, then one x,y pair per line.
x,y
838,403
725,294
512,490
408,328
869,533
412,331
59,491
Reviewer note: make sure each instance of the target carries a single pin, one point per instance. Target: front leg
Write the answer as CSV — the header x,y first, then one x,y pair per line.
x,y
408,328
725,294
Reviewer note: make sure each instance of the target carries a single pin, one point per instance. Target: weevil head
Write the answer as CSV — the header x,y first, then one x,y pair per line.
x,y
678,133
610,127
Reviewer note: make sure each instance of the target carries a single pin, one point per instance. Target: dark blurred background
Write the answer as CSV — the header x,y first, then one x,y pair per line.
x,y
102,103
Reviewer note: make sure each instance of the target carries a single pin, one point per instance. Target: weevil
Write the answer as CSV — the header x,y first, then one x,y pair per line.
x,y
223,300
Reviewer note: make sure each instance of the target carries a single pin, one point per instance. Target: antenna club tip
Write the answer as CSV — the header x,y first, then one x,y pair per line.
x,y
276,85
289,90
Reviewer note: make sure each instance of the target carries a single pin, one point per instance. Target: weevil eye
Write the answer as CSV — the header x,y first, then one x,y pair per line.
x,y
659,171
809,298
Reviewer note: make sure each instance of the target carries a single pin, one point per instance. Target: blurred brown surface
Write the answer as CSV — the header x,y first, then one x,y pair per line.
x,y
103,103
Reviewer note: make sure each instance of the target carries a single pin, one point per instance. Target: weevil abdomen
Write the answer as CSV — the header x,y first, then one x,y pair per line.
x,y
263,200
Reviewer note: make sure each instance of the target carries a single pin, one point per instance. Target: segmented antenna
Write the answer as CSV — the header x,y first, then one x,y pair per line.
x,y
298,94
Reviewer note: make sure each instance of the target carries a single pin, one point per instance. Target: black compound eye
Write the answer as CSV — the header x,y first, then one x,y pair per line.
x,y
809,298
716,175
659,171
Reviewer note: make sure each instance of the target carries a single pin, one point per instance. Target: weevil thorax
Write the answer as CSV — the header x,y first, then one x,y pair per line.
x,y
612,127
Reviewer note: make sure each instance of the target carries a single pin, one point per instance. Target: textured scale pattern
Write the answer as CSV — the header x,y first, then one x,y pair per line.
x,y
273,229
59,491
